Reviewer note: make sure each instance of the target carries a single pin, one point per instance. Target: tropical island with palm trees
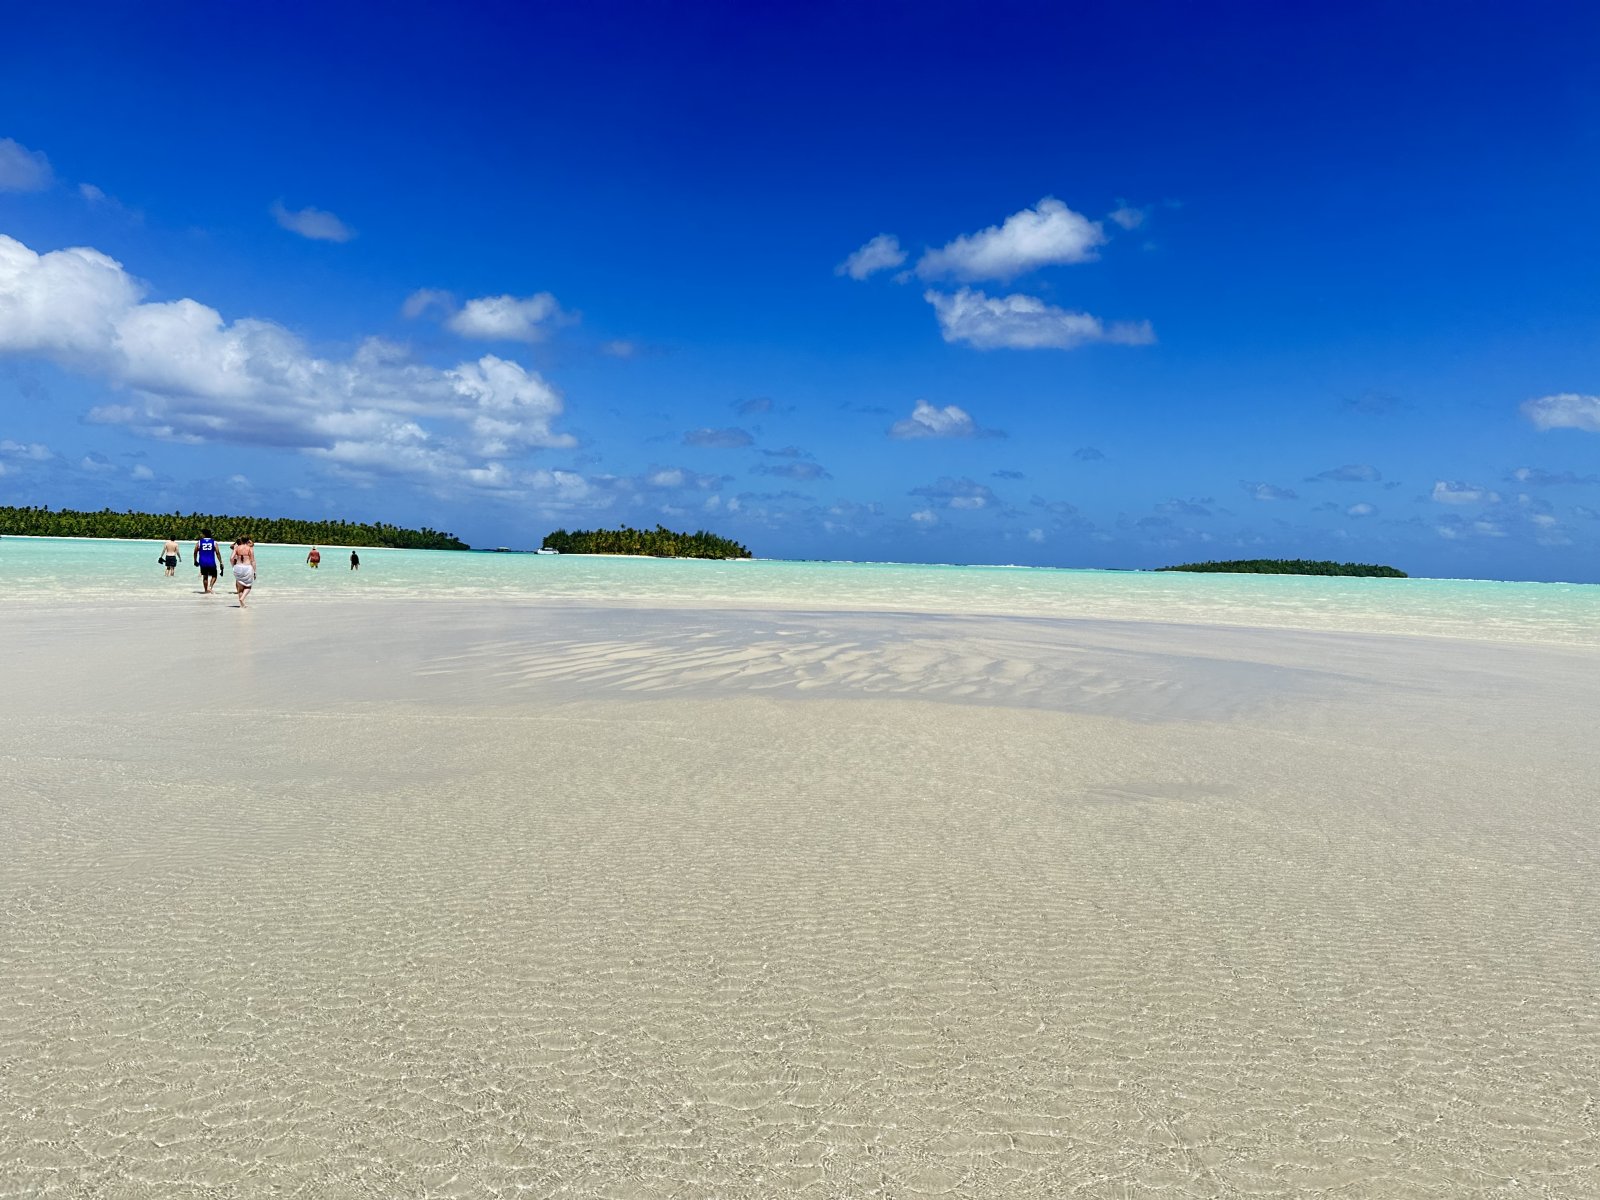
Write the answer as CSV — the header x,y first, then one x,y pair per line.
x,y
1291,566
659,542
67,522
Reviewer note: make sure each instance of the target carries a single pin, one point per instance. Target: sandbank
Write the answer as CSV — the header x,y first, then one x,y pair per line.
x,y
484,899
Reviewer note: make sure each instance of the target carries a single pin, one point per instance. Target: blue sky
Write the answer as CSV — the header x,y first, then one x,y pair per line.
x,y
972,283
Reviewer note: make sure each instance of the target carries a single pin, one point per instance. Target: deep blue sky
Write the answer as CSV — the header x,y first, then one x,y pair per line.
x,y
1346,307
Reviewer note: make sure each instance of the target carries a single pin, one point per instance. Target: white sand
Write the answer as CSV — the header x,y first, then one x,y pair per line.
x,y
418,899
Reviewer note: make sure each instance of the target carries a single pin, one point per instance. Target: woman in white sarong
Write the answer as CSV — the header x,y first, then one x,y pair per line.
x,y
244,567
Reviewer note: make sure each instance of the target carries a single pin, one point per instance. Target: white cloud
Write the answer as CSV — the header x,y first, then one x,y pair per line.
x,y
925,516
1539,477
619,348
1360,510
926,421
142,472
36,451
1268,491
191,376
1350,473
507,318
1447,491
1565,411
23,170
1045,235
880,254
956,493
92,194
1127,216
1019,322
425,300
312,223
670,478
1036,535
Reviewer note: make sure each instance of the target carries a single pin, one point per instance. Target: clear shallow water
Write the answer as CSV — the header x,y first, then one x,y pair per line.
x,y
93,571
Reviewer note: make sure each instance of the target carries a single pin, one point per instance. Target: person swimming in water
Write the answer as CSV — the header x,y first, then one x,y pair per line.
x,y
208,557
244,568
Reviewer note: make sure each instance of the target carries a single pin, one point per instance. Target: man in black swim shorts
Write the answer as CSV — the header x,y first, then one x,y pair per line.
x,y
208,557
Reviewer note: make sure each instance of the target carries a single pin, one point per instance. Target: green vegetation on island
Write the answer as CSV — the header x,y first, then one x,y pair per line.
x,y
1291,566
66,522
659,542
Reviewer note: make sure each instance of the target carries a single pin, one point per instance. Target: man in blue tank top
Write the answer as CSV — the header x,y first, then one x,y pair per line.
x,y
208,558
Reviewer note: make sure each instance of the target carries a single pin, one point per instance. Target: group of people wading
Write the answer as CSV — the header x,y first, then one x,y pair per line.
x,y
207,555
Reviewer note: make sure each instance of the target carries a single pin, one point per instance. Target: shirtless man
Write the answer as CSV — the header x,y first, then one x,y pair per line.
x,y
169,556
244,568
314,559
208,557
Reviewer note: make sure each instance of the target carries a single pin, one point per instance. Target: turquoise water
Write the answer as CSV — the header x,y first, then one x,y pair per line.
x,y
74,570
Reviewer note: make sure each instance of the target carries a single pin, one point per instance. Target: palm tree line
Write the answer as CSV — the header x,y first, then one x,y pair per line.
x,y
68,522
1291,566
659,542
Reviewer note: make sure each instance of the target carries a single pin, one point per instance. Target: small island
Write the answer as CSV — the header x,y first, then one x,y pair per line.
x,y
1291,566
67,522
659,542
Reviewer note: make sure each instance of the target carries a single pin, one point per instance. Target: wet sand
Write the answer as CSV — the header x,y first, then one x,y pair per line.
x,y
432,899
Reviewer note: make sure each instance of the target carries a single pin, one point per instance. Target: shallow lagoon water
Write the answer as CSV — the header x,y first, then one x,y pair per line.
x,y
53,570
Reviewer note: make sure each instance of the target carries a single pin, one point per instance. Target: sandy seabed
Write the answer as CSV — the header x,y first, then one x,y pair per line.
x,y
435,899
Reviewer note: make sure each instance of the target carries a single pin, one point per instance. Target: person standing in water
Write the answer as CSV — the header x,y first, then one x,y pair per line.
x,y
169,556
314,559
244,568
355,561
208,557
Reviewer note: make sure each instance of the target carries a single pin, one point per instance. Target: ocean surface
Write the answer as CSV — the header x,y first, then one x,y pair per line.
x,y
50,571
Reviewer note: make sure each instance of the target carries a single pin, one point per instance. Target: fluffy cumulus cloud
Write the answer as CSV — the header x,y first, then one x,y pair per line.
x,y
929,421
21,169
1350,473
1447,491
1019,322
188,374
956,493
507,318
882,253
1565,411
1048,234
1267,491
1360,510
312,223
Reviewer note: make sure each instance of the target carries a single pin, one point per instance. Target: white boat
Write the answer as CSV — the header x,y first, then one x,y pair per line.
x,y
546,550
